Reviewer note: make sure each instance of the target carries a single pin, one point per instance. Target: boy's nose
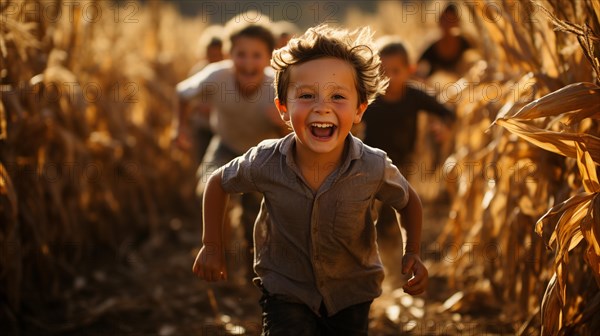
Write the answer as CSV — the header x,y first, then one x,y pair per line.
x,y
322,106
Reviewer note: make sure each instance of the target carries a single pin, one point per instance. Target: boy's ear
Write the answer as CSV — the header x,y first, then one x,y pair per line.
x,y
283,113
360,111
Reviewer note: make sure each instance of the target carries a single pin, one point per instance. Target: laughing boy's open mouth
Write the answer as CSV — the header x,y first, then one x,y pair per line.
x,y
322,130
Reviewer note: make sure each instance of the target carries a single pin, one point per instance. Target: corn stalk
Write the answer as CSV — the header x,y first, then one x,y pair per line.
x,y
85,127
533,51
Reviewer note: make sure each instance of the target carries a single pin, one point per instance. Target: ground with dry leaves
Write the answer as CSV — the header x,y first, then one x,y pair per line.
x,y
151,290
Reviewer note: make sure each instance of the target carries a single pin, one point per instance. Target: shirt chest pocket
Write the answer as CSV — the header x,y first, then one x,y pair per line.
x,y
350,219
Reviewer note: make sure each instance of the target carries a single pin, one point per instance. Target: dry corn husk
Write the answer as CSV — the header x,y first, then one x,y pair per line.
x,y
541,190
85,155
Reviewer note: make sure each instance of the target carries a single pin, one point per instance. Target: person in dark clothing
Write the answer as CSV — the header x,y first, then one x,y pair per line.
x,y
392,125
391,120
447,52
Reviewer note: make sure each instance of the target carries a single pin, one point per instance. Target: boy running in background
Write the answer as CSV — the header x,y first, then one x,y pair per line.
x,y
240,95
391,120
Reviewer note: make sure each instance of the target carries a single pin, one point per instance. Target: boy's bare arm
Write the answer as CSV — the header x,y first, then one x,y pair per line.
x,y
210,262
412,220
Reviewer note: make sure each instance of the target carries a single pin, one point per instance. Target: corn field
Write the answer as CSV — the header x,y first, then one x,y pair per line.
x,y
85,139
529,202
86,160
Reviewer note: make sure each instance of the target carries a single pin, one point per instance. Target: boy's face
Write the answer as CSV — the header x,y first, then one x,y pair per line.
x,y
395,67
250,57
322,104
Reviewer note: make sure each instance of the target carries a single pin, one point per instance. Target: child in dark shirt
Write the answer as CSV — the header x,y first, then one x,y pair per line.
x,y
446,53
391,120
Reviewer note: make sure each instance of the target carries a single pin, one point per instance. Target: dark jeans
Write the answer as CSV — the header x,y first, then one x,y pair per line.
x,y
281,317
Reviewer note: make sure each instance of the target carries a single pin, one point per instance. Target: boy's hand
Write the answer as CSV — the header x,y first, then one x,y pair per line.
x,y
210,264
411,263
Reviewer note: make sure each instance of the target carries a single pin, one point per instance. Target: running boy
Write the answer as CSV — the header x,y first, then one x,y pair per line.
x,y
391,120
240,96
239,93
315,252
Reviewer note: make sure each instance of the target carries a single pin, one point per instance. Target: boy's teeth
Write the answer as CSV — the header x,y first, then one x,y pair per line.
x,y
322,130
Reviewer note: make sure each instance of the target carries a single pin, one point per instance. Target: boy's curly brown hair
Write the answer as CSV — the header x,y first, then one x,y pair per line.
x,y
355,47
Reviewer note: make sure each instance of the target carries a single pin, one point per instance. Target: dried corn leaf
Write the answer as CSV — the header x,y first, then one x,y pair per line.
x,y
551,312
596,6
3,133
562,143
568,231
579,101
593,260
7,189
569,206
590,226
21,34
587,169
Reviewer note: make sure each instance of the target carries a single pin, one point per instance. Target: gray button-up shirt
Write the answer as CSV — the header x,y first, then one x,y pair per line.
x,y
317,247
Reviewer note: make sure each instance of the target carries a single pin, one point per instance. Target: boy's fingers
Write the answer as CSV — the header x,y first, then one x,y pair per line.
x,y
418,284
419,275
413,291
415,282
414,287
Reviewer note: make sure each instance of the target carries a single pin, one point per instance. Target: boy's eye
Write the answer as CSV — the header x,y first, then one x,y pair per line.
x,y
337,97
306,96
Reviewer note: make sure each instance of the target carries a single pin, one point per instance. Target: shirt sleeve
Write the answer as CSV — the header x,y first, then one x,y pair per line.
x,y
431,105
202,83
238,176
393,189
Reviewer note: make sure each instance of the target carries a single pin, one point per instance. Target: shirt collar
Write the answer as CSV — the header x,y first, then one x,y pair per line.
x,y
353,144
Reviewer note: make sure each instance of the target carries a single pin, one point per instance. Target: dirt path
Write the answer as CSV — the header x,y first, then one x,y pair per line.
x,y
150,290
